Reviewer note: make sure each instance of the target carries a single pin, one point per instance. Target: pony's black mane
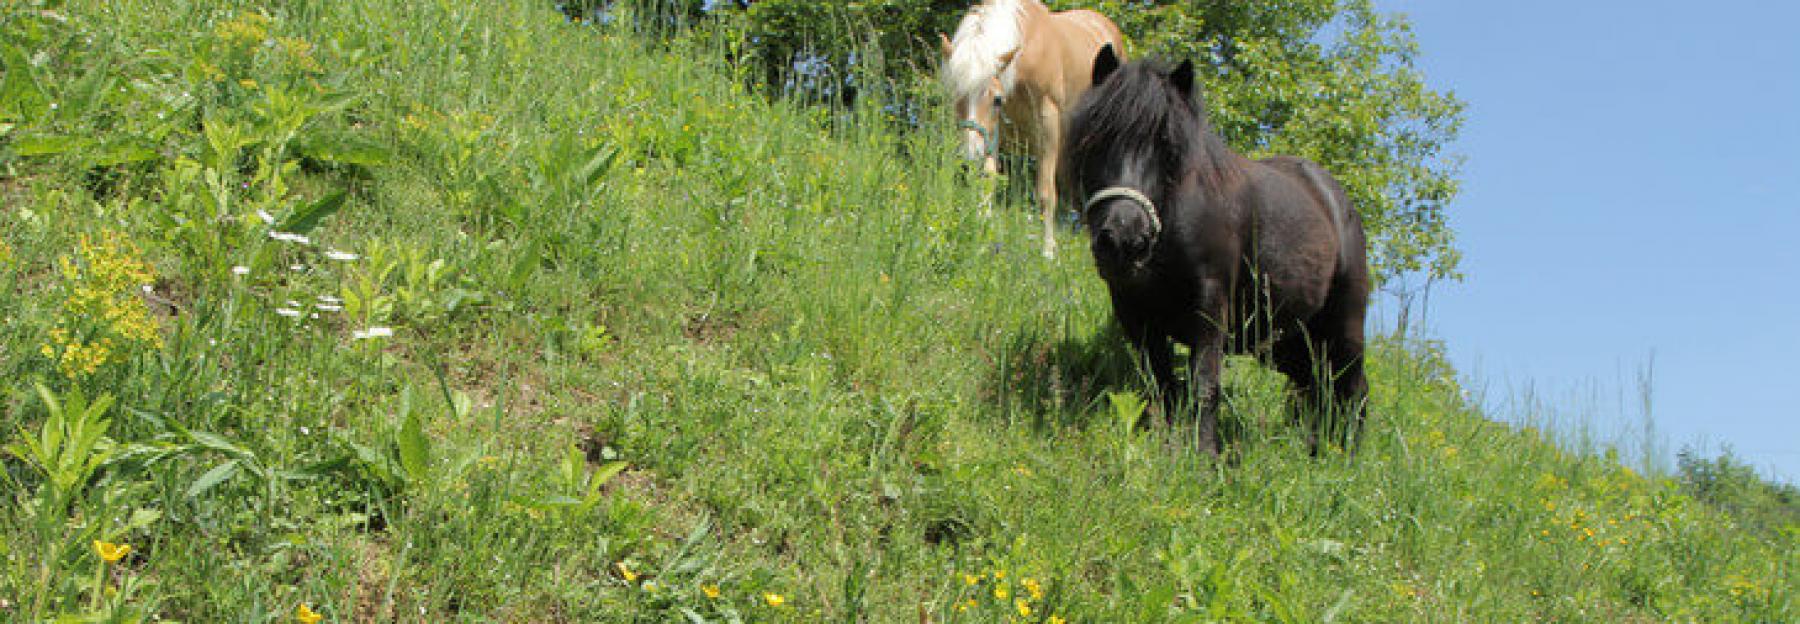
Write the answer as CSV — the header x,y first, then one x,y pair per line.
x,y
1138,109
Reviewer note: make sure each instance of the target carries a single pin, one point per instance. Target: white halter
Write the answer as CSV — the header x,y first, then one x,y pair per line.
x,y
1136,197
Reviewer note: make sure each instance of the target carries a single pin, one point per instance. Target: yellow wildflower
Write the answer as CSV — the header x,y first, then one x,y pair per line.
x,y
111,552
102,319
306,615
246,30
300,53
971,579
1023,607
773,599
1001,592
1056,619
711,591
1032,587
625,572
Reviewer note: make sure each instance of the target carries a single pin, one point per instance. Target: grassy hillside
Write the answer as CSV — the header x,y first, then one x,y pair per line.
x,y
662,350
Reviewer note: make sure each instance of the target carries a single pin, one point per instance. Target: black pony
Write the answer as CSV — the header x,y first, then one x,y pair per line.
x,y
1218,252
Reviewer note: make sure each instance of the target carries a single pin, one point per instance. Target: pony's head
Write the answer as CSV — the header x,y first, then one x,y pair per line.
x,y
975,72
1132,140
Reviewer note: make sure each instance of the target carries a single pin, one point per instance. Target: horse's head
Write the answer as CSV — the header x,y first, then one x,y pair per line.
x,y
1128,144
974,74
978,122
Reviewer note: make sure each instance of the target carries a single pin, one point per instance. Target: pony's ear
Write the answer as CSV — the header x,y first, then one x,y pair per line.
x,y
1183,79
1006,59
944,42
1105,62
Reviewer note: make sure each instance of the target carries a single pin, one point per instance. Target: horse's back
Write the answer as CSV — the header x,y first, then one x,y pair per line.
x,y
1098,27
1067,45
1327,197
1308,238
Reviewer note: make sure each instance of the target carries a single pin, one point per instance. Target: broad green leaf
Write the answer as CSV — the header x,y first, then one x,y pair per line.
x,y
343,149
415,449
143,518
306,217
219,443
213,478
605,473
20,93
572,464
600,160
119,153
49,145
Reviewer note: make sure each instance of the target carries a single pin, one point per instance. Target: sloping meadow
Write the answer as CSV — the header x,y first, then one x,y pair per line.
x,y
377,311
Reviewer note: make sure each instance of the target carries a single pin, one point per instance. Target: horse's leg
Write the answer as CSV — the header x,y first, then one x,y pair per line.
x,y
1349,386
1049,150
1206,366
1324,360
1350,394
1206,362
1294,358
1160,354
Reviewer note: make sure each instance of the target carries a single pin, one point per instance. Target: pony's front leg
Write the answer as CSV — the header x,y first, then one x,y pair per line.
x,y
1205,370
1155,350
1049,152
1161,355
1206,362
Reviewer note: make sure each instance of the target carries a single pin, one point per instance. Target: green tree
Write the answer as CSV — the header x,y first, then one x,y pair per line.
x,y
1735,487
823,48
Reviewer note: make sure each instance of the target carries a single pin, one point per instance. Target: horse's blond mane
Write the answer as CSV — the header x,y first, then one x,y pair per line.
x,y
988,32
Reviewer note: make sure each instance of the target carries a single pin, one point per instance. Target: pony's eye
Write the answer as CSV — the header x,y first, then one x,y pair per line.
x,y
996,101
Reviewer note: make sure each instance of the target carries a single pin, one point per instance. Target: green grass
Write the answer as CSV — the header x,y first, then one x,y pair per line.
x,y
831,370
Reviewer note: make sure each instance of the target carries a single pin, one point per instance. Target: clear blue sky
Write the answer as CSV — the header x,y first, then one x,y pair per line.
x,y
1632,186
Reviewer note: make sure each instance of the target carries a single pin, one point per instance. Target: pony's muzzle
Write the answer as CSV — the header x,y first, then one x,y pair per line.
x,y
1121,246
1124,225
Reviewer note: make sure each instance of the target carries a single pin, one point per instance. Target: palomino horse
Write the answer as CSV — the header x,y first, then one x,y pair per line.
x,y
1015,70
1219,252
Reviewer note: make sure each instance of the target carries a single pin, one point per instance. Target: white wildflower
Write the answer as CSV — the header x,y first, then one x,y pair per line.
x,y
266,217
330,299
299,239
372,332
326,307
288,312
340,256
240,270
